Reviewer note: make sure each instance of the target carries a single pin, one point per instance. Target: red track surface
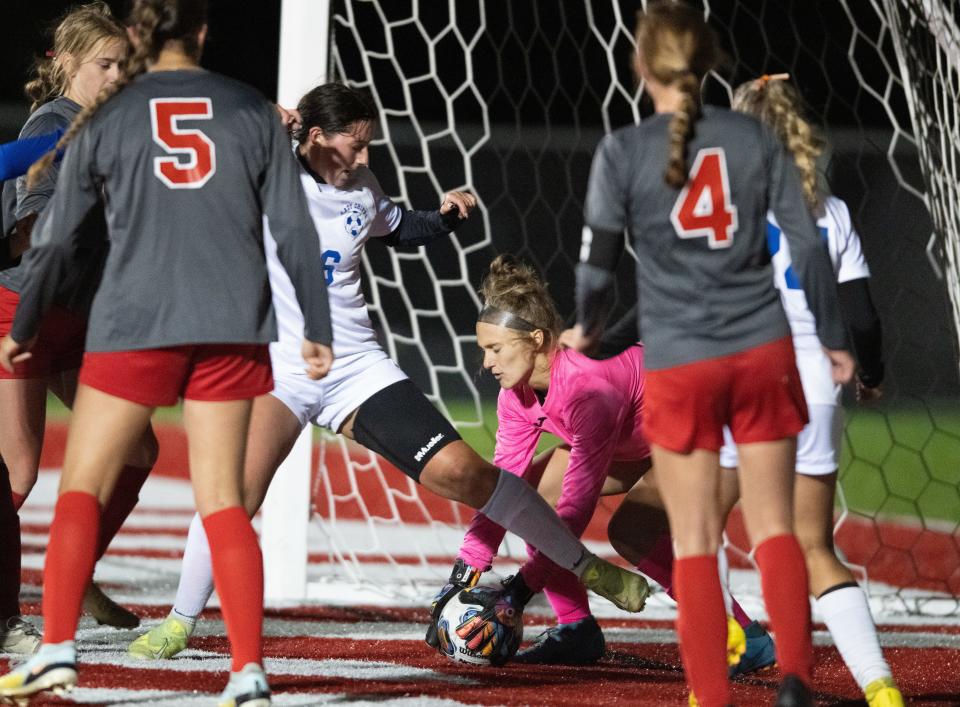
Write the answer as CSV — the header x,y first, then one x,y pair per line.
x,y
632,674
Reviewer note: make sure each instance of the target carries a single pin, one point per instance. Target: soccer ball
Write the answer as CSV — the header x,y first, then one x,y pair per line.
x,y
500,639
353,223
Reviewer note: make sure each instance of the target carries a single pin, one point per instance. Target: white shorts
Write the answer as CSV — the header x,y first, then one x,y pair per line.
x,y
818,444
329,401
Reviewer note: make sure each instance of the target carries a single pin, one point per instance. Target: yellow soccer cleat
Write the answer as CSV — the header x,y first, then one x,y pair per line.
x,y
736,646
160,642
54,668
628,590
736,641
883,692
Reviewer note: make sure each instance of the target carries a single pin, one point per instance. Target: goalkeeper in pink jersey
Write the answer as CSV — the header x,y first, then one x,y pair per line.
x,y
596,407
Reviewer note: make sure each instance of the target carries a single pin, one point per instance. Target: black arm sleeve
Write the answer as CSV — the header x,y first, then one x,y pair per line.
x,y
619,337
599,255
418,228
863,323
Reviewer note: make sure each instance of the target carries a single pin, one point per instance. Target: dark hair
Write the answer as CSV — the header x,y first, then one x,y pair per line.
x,y
154,22
333,107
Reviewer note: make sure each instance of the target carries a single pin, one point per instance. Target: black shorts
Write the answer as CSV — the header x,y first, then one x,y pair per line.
x,y
403,427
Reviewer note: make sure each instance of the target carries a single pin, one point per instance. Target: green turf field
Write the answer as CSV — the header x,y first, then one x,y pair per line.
x,y
902,461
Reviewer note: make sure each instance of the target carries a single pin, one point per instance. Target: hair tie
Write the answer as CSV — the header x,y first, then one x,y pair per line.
x,y
762,81
498,317
50,54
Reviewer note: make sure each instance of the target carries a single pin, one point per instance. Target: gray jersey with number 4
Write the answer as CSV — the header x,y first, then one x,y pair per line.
x,y
189,162
704,280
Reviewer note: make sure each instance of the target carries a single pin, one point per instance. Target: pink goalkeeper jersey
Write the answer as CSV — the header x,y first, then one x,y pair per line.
x,y
596,407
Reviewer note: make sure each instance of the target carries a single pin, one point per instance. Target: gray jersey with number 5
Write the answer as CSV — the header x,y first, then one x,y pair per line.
x,y
189,162
704,280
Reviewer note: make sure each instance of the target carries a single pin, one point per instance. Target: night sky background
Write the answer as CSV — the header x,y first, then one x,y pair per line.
x,y
540,76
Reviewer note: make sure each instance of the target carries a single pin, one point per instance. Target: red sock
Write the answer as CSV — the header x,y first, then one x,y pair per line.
x,y
18,499
783,575
9,549
238,576
702,628
125,496
658,566
71,554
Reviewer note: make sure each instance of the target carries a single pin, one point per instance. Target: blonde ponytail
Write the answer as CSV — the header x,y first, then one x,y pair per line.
x,y
778,104
678,48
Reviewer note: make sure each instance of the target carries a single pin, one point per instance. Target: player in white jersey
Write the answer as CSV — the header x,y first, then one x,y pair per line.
x,y
839,599
361,396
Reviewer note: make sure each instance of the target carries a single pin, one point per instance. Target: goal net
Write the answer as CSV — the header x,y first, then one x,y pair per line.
x,y
508,100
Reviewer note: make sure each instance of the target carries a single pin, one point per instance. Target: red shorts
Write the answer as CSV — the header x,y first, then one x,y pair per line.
x,y
756,392
59,344
158,377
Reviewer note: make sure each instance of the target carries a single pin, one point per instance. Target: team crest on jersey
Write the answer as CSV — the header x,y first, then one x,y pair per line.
x,y
354,218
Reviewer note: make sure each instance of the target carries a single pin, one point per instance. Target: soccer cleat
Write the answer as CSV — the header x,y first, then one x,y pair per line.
x,y
160,642
54,667
19,636
247,688
736,642
106,611
883,692
628,590
793,693
759,653
736,647
577,643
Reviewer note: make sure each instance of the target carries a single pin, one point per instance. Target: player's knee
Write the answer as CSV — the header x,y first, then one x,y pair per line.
x,y
460,476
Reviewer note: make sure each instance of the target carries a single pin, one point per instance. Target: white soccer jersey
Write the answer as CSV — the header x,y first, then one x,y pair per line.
x,y
846,254
345,219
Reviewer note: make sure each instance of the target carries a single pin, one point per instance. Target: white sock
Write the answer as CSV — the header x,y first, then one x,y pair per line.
x,y
847,615
724,570
196,576
516,506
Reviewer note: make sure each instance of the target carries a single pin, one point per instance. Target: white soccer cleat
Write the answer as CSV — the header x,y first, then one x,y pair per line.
x,y
246,688
54,667
19,636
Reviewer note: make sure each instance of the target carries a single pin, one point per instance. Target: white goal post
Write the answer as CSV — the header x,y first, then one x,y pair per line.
x,y
285,516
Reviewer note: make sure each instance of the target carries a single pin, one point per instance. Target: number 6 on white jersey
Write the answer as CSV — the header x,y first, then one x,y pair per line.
x,y
200,150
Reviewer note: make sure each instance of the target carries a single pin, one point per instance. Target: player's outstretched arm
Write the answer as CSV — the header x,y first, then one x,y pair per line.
x,y
417,228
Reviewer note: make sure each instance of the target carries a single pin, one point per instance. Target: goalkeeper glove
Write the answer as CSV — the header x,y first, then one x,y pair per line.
x,y
463,576
496,630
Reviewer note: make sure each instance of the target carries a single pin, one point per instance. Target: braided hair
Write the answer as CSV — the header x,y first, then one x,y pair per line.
x,y
678,48
778,104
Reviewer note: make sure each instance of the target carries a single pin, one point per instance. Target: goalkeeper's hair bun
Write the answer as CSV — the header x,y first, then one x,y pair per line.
x,y
513,286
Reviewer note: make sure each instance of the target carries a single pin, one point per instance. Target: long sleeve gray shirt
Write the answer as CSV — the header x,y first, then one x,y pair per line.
x,y
704,280
188,163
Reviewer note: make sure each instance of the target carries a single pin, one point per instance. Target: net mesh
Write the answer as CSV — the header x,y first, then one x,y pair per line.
x,y
508,100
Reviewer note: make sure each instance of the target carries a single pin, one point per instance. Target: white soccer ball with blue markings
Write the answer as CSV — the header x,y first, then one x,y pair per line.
x,y
496,642
353,223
